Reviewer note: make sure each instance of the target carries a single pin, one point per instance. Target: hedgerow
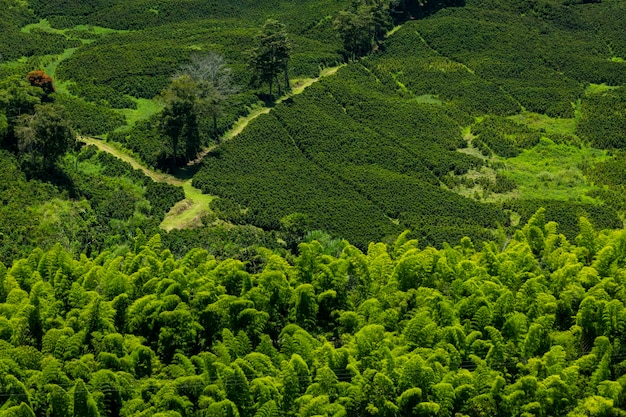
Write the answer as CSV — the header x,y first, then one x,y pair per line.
x,y
505,137
90,118
602,122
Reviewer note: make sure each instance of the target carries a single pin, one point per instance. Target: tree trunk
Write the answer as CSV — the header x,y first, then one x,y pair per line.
x,y
278,86
271,82
287,86
215,124
175,150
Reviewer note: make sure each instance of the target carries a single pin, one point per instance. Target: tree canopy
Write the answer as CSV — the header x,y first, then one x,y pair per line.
x,y
270,56
532,327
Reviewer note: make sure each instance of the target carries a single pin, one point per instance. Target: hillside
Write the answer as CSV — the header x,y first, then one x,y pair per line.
x,y
312,208
386,133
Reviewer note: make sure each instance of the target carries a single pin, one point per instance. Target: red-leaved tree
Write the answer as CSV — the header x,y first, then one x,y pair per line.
x,y
38,78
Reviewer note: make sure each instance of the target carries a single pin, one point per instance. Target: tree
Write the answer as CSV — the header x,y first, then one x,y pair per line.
x,y
17,97
362,25
179,120
84,404
40,79
271,55
214,83
355,29
45,135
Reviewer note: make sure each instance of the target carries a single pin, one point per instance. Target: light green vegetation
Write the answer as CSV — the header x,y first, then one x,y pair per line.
x,y
190,211
125,156
549,124
145,109
44,25
428,99
51,68
599,88
551,171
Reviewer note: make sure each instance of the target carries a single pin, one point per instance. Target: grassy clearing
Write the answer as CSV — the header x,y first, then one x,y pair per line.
x,y
548,124
44,25
145,109
51,68
599,88
551,171
190,211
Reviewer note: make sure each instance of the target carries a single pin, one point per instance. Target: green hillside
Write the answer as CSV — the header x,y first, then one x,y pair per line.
x,y
312,208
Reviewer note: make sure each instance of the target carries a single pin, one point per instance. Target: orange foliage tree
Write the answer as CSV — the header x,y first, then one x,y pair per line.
x,y
39,78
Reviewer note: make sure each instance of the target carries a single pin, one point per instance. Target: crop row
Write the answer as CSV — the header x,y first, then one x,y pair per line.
x,y
268,175
354,157
537,60
603,119
424,72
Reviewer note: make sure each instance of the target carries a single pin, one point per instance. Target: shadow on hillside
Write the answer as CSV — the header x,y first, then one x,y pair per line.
x,y
54,176
412,9
187,172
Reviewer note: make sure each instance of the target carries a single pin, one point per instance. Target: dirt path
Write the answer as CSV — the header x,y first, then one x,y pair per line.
x,y
190,211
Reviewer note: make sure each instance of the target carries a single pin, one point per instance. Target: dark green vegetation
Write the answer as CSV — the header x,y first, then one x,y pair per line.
x,y
331,155
459,126
533,325
15,44
94,201
384,132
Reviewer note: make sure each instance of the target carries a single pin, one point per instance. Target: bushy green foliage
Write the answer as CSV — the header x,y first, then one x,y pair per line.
x,y
542,58
15,44
567,213
409,63
277,180
91,200
505,137
534,322
337,138
602,121
89,118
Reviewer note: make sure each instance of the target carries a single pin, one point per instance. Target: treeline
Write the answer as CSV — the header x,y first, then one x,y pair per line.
x,y
533,323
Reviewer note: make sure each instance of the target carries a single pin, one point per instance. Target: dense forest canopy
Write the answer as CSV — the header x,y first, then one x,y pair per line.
x,y
530,325
312,208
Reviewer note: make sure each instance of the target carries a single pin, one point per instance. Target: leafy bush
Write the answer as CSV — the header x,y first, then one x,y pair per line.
x,y
567,214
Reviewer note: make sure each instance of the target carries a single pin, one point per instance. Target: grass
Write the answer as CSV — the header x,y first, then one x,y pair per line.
x,y
51,69
599,88
190,211
44,25
145,109
548,124
428,99
551,171
547,171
